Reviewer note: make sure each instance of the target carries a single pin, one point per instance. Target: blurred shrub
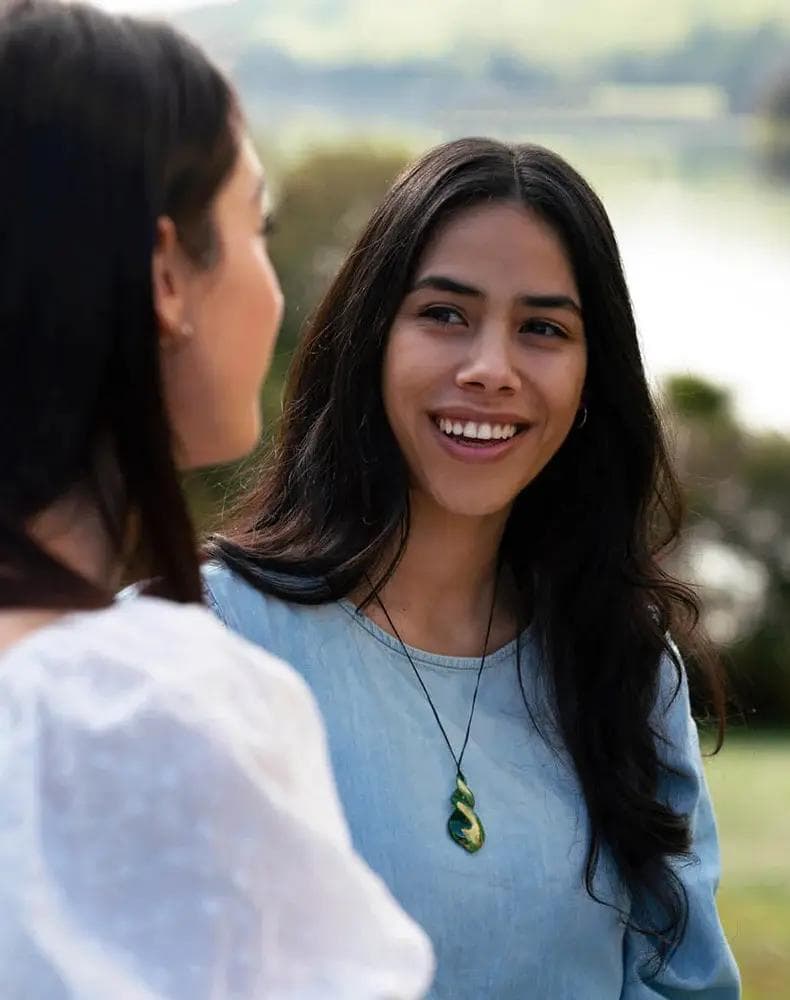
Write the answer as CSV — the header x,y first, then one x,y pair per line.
x,y
776,124
323,203
738,541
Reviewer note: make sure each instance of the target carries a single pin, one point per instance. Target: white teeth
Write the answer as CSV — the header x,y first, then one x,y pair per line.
x,y
476,432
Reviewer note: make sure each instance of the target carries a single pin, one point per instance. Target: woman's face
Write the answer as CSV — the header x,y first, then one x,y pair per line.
x,y
219,324
486,360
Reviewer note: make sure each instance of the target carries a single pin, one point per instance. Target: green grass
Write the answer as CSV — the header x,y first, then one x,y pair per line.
x,y
750,785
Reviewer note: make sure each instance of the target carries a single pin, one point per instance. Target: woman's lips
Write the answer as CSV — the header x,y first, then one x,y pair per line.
x,y
477,449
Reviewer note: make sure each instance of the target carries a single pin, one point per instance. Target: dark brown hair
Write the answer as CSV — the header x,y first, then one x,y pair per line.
x,y
106,124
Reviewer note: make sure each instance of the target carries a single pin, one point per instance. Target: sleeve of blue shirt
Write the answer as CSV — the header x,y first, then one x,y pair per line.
x,y
702,967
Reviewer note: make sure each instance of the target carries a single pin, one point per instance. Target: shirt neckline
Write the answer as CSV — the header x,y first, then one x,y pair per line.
x,y
68,622
424,656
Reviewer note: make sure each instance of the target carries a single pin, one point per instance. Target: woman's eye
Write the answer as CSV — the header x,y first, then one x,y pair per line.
x,y
444,315
543,328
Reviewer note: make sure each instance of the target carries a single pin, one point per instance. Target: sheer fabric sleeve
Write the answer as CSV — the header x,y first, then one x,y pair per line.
x,y
155,844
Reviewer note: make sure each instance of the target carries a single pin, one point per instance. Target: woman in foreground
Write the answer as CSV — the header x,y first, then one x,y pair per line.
x,y
456,542
169,824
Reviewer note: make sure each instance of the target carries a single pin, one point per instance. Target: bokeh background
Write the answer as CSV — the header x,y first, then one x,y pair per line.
x,y
678,112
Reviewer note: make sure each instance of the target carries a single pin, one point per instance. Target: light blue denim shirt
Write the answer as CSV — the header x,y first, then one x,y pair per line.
x,y
513,920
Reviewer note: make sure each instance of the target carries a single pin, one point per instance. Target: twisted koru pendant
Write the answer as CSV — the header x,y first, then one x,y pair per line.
x,y
464,825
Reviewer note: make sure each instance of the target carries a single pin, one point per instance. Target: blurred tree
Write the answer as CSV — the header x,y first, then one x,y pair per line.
x,y
738,542
776,115
322,205
693,398
739,60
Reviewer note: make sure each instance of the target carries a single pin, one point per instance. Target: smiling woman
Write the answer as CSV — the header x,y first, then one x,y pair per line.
x,y
456,541
480,369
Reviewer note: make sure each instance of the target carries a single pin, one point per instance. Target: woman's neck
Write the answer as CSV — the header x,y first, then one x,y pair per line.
x,y
74,532
440,595
71,530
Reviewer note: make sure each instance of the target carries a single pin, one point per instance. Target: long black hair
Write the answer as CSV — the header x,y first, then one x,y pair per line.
x,y
333,497
106,124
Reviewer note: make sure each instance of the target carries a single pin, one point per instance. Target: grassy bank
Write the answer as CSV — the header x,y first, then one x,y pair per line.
x,y
750,784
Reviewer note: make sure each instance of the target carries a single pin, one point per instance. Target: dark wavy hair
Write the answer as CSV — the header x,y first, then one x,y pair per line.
x,y
106,124
333,497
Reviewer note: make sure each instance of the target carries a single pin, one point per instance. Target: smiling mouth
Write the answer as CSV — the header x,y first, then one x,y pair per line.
x,y
478,435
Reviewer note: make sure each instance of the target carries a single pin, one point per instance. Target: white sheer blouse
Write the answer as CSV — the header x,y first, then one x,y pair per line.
x,y
169,826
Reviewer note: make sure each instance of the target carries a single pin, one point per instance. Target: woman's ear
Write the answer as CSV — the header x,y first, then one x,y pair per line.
x,y
168,278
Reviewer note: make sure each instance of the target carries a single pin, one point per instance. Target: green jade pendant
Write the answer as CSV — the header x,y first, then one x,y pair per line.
x,y
463,825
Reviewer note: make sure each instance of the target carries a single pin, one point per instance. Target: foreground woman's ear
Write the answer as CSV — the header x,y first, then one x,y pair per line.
x,y
168,282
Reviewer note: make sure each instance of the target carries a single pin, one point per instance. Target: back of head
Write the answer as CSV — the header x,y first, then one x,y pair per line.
x,y
106,124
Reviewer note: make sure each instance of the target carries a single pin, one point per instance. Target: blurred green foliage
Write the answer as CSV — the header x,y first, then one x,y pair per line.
x,y
693,398
776,119
738,489
750,784
323,203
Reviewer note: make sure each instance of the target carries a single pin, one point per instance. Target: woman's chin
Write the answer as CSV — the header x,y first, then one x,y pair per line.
x,y
471,503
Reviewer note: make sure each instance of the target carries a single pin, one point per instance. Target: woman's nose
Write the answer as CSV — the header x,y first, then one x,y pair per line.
x,y
489,365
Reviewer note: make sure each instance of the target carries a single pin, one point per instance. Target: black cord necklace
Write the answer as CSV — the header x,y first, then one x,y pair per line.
x,y
464,824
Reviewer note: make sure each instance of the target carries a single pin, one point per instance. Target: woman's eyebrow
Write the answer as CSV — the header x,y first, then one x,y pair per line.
x,y
441,283
546,301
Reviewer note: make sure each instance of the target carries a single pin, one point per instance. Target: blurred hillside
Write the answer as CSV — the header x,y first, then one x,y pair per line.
x,y
563,33
350,55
